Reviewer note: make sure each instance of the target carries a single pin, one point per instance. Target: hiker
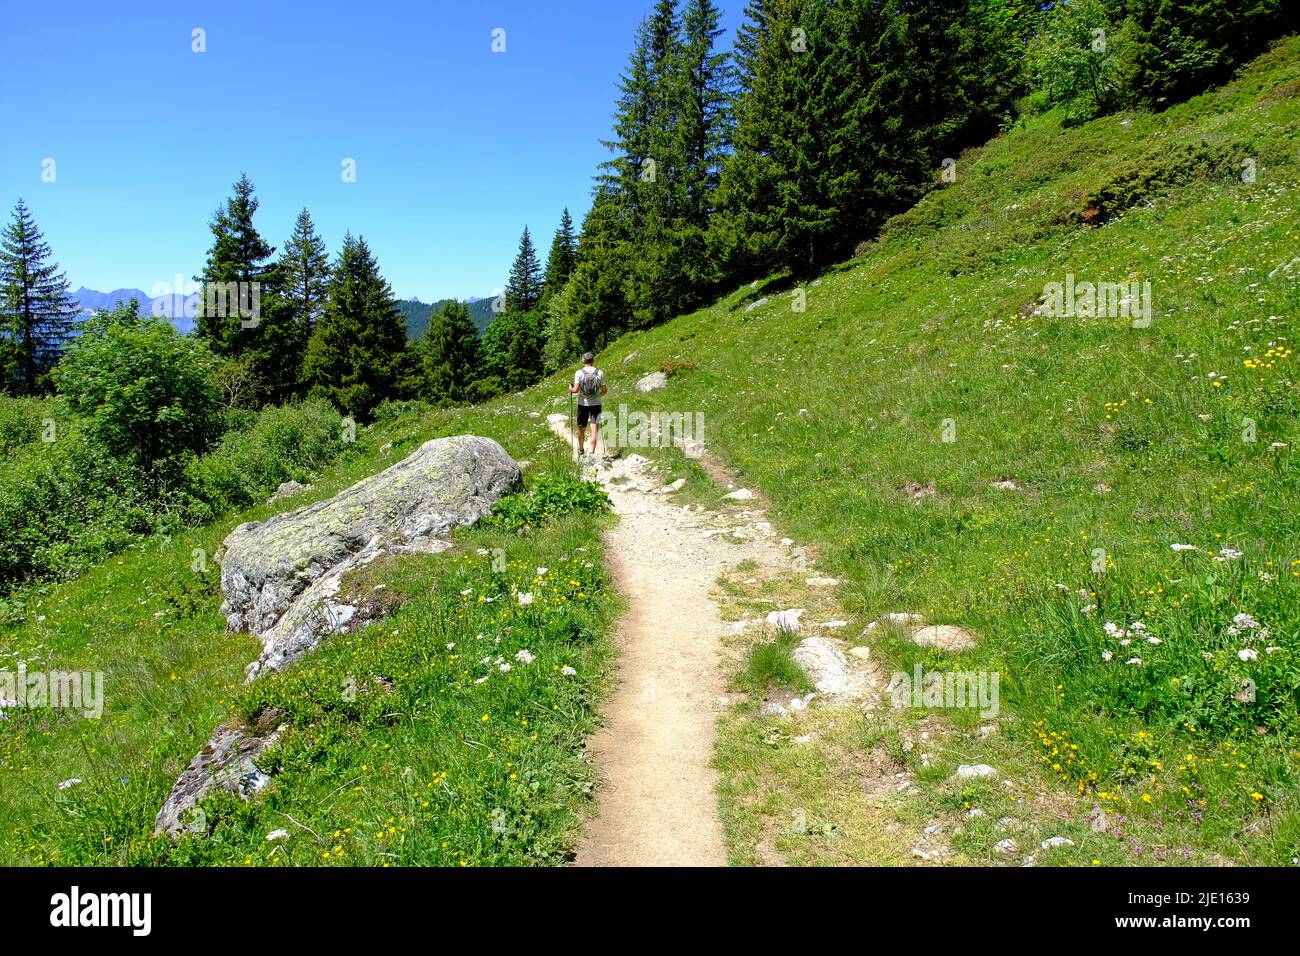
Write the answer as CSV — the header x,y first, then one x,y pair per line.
x,y
589,386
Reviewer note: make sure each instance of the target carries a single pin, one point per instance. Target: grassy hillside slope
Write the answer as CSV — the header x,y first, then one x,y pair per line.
x,y
882,419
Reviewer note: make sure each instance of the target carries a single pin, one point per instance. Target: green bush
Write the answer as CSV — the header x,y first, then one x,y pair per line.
x,y
1158,171
285,443
143,391
556,493
1073,61
69,503
20,422
64,505
392,409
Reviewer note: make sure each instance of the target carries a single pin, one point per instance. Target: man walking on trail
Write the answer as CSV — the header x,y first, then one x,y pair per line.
x,y
589,386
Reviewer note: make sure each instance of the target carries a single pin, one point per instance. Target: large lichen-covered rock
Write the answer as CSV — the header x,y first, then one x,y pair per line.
x,y
446,483
283,579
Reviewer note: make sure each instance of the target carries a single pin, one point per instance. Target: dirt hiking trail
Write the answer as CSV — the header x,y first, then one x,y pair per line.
x,y
658,803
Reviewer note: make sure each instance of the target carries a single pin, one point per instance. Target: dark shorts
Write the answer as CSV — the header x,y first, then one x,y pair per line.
x,y
588,413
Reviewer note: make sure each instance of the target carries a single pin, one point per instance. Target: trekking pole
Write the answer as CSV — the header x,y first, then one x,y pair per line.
x,y
573,435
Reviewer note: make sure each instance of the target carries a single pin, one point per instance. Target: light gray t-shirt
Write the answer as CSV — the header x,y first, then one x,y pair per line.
x,y
600,383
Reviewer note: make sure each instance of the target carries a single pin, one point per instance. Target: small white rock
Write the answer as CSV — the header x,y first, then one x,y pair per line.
x,y
974,771
787,620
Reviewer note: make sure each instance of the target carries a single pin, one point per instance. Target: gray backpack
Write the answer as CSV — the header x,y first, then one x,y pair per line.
x,y
589,382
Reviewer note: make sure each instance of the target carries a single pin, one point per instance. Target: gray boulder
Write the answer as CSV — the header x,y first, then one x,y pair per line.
x,y
447,482
282,580
831,672
288,489
228,762
648,383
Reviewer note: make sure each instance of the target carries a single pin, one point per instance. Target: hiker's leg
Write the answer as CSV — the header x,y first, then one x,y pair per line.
x,y
582,437
595,435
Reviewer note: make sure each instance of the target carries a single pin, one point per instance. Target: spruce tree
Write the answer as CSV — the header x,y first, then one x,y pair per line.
x,y
305,271
242,310
780,186
704,113
358,348
449,352
598,303
36,311
563,255
524,289
238,254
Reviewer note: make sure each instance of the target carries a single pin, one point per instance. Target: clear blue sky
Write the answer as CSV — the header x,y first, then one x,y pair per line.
x,y
456,147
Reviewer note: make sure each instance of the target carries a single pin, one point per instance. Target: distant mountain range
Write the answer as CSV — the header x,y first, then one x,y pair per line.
x,y
170,306
414,312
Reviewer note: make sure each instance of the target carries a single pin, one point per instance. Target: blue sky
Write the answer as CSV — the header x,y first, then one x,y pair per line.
x,y
456,147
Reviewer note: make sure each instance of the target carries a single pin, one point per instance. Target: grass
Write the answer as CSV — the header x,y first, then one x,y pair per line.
x,y
393,753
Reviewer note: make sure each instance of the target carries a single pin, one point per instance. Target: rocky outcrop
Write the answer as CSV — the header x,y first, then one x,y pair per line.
x,y
652,381
228,762
283,578
447,482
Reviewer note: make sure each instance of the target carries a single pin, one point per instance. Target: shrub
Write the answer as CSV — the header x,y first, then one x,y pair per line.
x,y
143,391
556,493
286,442
65,505
20,421
1073,61
392,409
1158,171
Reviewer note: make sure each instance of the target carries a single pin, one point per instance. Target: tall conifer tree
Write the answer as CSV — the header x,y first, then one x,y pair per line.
x,y
450,354
36,311
524,288
563,255
305,269
242,312
358,348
